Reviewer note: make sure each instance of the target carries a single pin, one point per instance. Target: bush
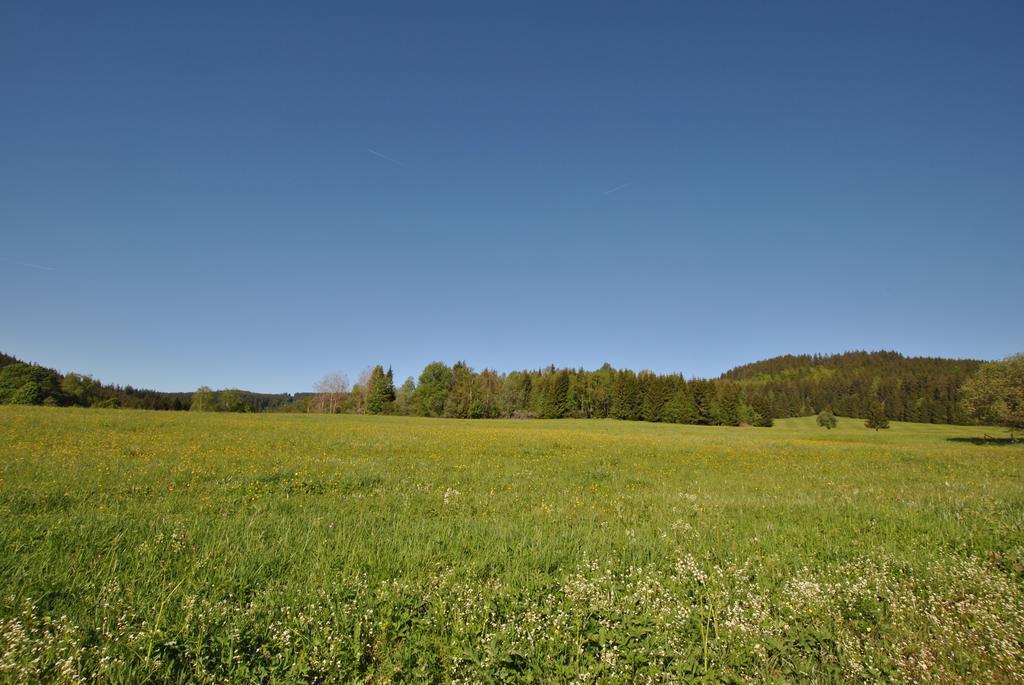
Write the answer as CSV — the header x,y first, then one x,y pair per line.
x,y
826,419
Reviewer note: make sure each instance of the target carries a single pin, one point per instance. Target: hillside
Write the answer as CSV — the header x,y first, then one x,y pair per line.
x,y
42,385
919,389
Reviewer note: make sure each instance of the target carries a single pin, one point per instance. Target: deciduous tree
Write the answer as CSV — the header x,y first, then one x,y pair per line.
x,y
330,390
203,400
995,394
432,390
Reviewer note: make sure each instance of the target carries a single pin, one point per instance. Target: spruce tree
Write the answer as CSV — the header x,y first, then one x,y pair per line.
x,y
625,396
727,406
381,396
702,392
876,417
556,403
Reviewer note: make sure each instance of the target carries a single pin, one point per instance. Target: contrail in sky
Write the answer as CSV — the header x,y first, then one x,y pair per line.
x,y
617,188
28,264
390,159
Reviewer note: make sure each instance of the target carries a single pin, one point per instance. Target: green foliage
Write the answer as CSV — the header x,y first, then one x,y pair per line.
x,y
238,548
916,389
556,403
381,392
654,394
81,389
726,407
203,400
680,407
432,390
487,404
405,398
232,400
703,394
913,388
826,419
28,384
28,393
876,417
995,394
626,396
462,394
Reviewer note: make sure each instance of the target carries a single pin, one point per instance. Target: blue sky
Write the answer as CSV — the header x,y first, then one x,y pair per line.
x,y
255,194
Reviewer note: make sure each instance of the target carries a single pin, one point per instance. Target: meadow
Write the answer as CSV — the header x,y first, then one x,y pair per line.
x,y
184,547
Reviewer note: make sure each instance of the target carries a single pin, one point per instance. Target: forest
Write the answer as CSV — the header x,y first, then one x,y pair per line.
x,y
920,389
24,383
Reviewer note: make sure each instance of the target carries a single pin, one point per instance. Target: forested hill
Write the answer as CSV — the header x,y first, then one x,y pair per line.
x,y
23,383
911,388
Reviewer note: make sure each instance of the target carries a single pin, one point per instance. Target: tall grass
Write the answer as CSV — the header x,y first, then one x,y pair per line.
x,y
211,548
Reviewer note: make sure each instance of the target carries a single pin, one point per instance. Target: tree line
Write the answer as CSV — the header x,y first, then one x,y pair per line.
x,y
459,391
883,385
24,383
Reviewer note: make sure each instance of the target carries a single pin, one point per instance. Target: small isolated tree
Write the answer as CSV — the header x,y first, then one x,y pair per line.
x,y
996,393
876,417
826,419
330,390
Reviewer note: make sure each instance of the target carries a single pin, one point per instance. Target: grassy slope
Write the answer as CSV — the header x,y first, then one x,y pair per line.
x,y
203,546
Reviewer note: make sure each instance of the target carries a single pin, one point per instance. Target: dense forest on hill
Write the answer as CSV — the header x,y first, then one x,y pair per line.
x,y
922,389
850,384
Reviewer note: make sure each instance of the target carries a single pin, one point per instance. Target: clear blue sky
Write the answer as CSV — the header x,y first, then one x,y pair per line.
x,y
255,194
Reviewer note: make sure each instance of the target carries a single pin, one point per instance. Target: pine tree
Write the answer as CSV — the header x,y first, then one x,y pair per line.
x,y
381,396
653,395
556,403
625,396
727,406
876,417
680,408
702,393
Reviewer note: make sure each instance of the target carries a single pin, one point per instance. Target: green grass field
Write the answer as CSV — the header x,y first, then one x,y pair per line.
x,y
212,547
